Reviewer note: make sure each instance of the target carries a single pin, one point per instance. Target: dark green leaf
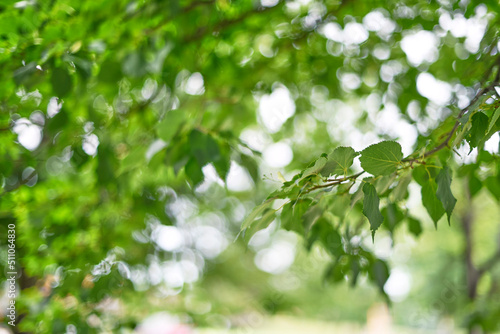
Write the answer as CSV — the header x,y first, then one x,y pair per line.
x,y
393,216
61,82
431,202
291,215
58,122
371,207
443,192
355,270
105,166
478,129
194,172
324,231
338,269
203,147
379,273
110,72
474,184
493,185
414,226
222,163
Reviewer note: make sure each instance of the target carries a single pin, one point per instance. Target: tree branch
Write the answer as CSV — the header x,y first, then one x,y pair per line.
x,y
334,182
446,142
203,31
193,5
488,265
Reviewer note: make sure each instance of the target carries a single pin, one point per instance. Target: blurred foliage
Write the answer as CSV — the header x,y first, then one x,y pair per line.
x,y
124,123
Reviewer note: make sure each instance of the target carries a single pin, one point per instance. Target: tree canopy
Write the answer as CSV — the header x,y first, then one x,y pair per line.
x,y
139,139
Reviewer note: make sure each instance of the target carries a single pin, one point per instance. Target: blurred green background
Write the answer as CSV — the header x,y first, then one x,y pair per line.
x,y
136,136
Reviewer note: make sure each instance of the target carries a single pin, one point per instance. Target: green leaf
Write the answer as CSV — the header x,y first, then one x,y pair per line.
x,y
170,124
379,273
494,119
338,269
58,122
355,270
393,216
340,205
251,166
105,165
383,183
256,212
382,158
474,184
478,129
264,221
194,172
324,231
203,147
431,202
493,185
61,82
358,195
291,216
371,207
401,190
414,226
310,217
339,161
314,169
222,163
443,192
110,72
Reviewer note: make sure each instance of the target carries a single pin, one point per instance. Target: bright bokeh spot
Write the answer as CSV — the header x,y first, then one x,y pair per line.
x,y
278,155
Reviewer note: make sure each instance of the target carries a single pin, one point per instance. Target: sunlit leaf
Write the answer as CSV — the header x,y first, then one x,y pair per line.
x,y
339,161
170,124
382,158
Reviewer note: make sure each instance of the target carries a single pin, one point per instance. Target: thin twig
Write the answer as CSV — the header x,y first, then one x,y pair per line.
x,y
334,182
446,142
